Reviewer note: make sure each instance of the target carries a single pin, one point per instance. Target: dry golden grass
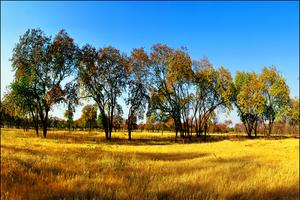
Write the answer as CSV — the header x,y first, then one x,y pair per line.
x,y
82,166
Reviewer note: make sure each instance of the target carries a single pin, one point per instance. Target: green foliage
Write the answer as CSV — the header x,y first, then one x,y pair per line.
x,y
138,86
41,65
249,96
293,112
264,96
69,115
248,99
89,116
275,92
179,68
214,89
171,78
103,77
183,93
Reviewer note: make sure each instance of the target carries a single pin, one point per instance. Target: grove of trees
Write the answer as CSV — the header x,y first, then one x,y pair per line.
x,y
165,86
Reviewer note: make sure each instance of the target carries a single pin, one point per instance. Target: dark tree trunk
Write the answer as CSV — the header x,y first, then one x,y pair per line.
x,y
248,130
247,127
129,127
196,127
270,127
200,128
190,131
176,126
35,121
37,130
129,134
181,130
205,130
255,129
249,133
45,124
106,134
111,121
105,125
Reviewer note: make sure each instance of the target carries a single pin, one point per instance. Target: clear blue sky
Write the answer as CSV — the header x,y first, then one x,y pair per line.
x,y
236,35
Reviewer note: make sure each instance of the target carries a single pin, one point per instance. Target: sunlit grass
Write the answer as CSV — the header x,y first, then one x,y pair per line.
x,y
82,165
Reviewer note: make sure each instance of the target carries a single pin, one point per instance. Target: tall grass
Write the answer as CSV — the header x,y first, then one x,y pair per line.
x,y
83,166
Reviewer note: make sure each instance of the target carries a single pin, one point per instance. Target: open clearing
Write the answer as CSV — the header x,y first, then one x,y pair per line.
x,y
81,165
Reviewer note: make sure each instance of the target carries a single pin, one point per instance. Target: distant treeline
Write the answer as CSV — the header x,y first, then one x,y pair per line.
x,y
165,85
280,127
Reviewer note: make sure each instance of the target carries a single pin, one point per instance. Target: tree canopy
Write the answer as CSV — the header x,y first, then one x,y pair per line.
x,y
41,68
166,85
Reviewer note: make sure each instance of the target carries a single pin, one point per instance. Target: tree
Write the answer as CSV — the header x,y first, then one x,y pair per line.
x,y
21,97
89,116
117,118
103,77
179,79
249,100
45,66
293,114
138,86
171,72
160,118
12,113
276,95
118,122
214,90
150,123
69,116
290,114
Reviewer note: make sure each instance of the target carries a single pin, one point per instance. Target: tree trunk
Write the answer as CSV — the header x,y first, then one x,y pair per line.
x,y
180,128
248,130
37,130
255,129
35,122
200,128
111,121
129,127
196,127
105,124
106,134
176,127
270,127
45,124
129,134
190,132
247,127
205,130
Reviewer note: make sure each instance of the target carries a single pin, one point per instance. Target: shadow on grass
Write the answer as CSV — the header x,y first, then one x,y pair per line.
x,y
28,181
170,156
205,192
280,193
142,156
243,159
20,150
96,137
147,140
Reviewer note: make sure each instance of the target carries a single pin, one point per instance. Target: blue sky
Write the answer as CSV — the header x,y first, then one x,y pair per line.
x,y
237,35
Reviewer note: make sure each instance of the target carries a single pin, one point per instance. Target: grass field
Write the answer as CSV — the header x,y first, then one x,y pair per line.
x,y
82,165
